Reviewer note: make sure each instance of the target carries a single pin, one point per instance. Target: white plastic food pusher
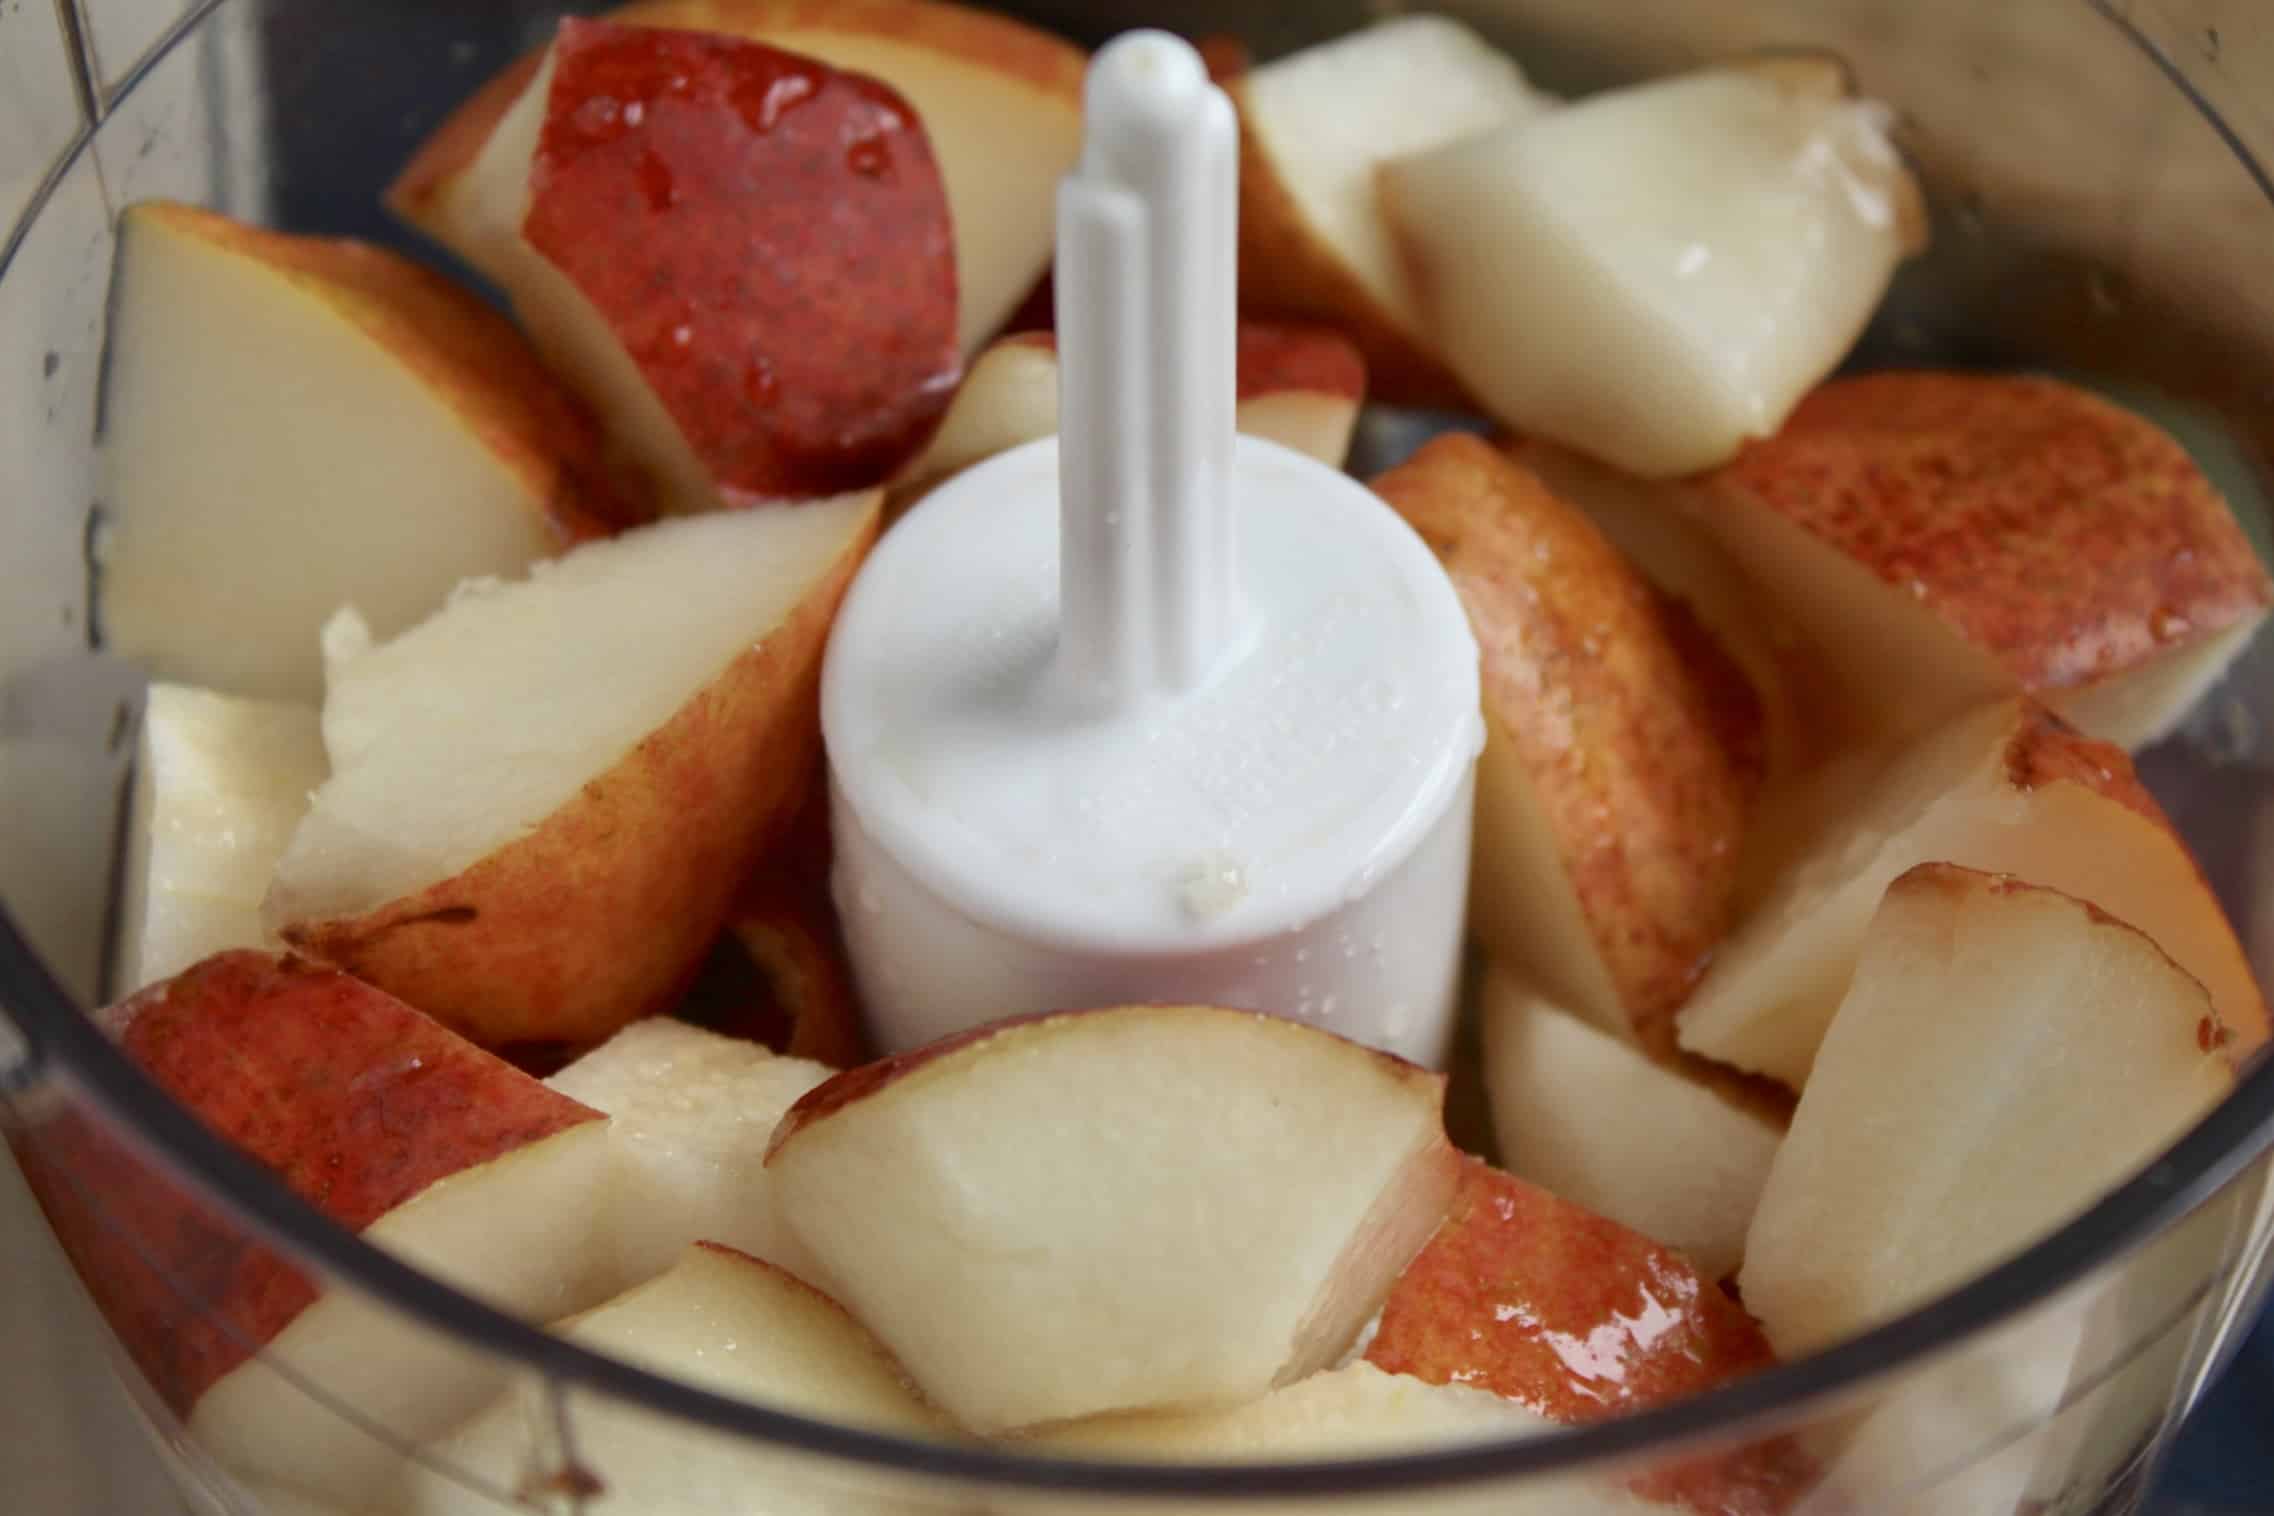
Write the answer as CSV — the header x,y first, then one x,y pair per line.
x,y
1150,713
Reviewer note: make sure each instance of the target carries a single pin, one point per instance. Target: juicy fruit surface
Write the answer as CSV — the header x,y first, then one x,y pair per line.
x,y
666,158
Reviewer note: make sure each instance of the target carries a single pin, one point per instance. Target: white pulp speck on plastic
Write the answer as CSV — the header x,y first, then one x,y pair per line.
x,y
1147,712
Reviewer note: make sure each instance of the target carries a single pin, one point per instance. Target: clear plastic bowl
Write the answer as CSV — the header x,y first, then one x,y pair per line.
x,y
2101,210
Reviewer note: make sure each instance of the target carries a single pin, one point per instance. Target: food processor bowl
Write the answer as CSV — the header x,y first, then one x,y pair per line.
x,y
2101,211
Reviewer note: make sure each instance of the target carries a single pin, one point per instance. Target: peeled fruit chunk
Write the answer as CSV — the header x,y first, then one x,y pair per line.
x,y
1657,273
690,1114
219,784
1314,129
1299,386
1038,1217
433,1150
1603,1125
1621,750
740,255
266,398
2005,1056
1947,538
2009,788
621,733
720,1321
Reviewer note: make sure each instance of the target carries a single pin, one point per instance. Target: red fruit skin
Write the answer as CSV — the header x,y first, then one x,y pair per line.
x,y
1580,1319
767,237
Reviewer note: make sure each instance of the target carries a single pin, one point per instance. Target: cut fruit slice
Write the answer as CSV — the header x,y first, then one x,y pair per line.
x,y
690,1114
1606,1127
622,732
1657,273
1039,1219
2005,1056
245,507
618,203
723,1322
2009,788
1947,538
1314,129
1299,386
434,1150
788,929
1001,103
1576,1319
1621,755
219,784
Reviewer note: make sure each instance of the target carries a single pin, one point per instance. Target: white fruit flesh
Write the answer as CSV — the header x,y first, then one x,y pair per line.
x,y
1595,1120
219,784
719,1321
1317,425
257,456
524,691
1330,116
518,1233
2143,704
2005,1056
1042,1222
690,1114
1775,983
1659,272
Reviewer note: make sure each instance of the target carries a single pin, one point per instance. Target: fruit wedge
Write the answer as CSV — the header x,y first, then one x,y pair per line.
x,y
2005,1056
1602,1124
1947,538
2009,788
1039,1217
430,1148
1657,273
1315,127
269,401
1299,386
219,784
721,1321
1621,755
690,1114
543,798
741,256
1000,102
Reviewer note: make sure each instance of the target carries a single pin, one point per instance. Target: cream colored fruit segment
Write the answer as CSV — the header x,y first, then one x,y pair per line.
x,y
1659,272
723,1323
1044,1225
1009,398
2143,704
2004,1058
219,784
518,1233
1318,426
690,1114
1330,116
271,1500
264,461
1775,983
1591,1118
519,693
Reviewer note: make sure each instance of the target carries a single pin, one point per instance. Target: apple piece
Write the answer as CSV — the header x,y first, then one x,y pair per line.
x,y
1657,273
622,732
432,1149
219,784
788,929
721,1321
1577,1318
1677,1162
741,346
1948,538
1315,127
690,1114
266,400
1621,752
1038,1219
2010,788
2005,1055
1298,386
1000,101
